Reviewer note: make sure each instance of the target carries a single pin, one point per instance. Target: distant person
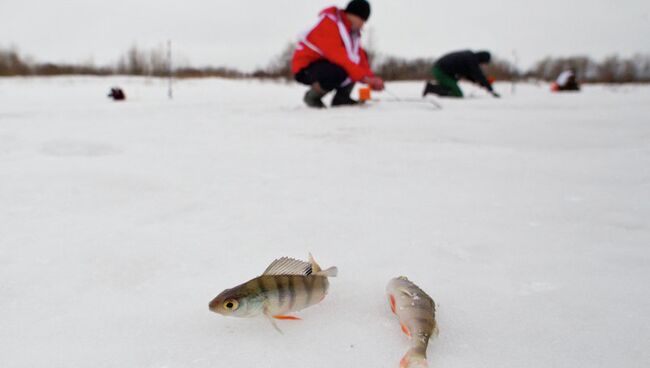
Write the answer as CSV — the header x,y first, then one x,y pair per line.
x,y
566,81
330,57
455,66
117,94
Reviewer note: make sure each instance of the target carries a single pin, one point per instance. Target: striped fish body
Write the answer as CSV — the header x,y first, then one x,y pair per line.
x,y
287,285
417,316
282,294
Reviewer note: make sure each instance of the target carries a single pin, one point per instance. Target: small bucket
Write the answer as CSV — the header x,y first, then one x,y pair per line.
x,y
364,94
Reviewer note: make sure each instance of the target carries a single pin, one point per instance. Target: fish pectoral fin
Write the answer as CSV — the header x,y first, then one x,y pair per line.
x,y
270,318
404,362
409,293
275,325
405,329
391,299
291,318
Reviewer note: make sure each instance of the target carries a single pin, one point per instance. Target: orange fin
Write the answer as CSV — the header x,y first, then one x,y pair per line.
x,y
404,362
405,330
292,318
392,303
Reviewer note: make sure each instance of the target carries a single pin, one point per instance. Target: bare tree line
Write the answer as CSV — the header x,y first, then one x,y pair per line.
x,y
154,62
612,69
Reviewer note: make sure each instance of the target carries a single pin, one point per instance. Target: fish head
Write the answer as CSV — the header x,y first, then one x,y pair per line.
x,y
397,283
234,303
398,289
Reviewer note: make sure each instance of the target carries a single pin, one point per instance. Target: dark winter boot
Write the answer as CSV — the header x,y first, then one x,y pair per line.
x,y
428,88
342,96
436,89
313,97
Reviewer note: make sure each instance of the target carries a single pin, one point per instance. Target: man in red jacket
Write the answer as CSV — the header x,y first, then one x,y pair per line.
x,y
329,56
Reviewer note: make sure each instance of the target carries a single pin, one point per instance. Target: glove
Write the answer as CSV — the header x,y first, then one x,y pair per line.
x,y
375,83
495,94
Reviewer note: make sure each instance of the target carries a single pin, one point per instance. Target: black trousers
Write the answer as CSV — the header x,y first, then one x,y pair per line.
x,y
329,75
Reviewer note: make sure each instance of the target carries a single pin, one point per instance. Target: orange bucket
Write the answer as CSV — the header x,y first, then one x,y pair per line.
x,y
364,94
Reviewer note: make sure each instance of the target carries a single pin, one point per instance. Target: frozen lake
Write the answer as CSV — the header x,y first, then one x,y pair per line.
x,y
525,218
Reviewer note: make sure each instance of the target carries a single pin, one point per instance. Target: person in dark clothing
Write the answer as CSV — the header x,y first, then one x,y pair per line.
x,y
328,76
117,94
566,81
458,65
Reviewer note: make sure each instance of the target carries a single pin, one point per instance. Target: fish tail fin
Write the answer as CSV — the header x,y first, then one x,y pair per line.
x,y
414,358
330,272
315,268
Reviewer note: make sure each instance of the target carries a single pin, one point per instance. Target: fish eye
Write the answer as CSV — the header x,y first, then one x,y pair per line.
x,y
231,304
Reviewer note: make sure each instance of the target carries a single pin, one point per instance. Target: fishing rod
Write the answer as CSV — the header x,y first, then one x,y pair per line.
x,y
397,98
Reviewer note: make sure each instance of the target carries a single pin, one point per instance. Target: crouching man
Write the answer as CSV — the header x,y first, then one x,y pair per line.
x,y
457,65
330,57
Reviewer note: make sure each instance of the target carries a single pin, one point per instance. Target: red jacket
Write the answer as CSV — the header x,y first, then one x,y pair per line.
x,y
332,39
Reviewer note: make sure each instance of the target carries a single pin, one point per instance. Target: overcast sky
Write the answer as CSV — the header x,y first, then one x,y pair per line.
x,y
248,34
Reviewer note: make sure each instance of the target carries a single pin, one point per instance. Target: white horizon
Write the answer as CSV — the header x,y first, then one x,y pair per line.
x,y
249,35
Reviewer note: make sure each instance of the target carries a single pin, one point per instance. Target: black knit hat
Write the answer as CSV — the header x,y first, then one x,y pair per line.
x,y
483,57
361,8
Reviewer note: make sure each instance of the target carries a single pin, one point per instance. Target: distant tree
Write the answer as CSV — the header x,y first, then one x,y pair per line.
x,y
280,66
158,64
135,61
12,64
608,69
627,72
396,68
643,66
221,72
501,70
370,47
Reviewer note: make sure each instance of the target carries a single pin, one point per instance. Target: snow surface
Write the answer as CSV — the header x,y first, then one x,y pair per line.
x,y
525,218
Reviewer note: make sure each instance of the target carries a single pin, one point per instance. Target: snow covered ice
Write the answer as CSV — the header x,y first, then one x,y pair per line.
x,y
525,218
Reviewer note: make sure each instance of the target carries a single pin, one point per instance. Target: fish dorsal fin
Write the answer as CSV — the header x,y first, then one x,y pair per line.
x,y
314,266
288,266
